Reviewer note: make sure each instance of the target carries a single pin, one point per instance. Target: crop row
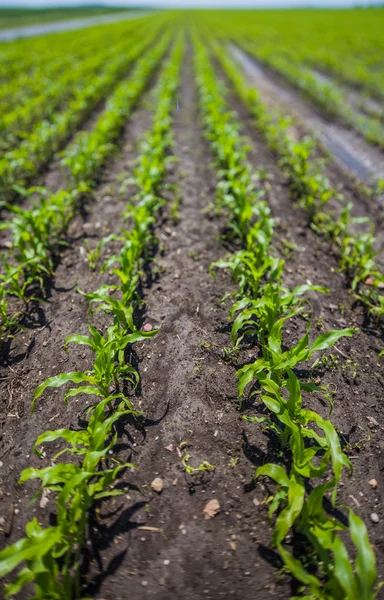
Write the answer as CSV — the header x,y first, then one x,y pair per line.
x,y
62,87
309,443
297,65
47,62
25,60
19,166
53,555
312,190
37,233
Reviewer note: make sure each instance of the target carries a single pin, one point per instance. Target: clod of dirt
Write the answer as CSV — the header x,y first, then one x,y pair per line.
x,y
157,485
211,509
373,483
147,327
372,422
374,518
8,526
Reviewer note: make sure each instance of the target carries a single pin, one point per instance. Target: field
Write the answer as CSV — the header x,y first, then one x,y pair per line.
x,y
192,308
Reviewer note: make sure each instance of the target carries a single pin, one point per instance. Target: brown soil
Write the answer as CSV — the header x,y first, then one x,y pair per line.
x,y
158,545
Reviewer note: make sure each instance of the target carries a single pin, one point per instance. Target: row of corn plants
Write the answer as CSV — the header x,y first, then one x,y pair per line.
x,y
39,232
313,457
52,555
312,190
66,85
25,61
328,96
19,165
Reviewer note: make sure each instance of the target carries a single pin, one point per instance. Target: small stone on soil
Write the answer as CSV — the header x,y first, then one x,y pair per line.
x,y
372,422
211,509
157,485
373,483
374,518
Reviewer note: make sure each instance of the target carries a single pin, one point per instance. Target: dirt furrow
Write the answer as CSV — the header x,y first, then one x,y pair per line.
x,y
189,399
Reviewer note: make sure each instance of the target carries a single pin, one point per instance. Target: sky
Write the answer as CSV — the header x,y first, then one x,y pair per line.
x,y
194,3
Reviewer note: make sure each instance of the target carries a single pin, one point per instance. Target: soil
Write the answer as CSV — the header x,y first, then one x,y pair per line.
x,y
159,545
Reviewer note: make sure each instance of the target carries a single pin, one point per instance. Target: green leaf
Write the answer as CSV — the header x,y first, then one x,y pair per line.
x,y
275,472
343,569
296,568
288,516
84,340
365,560
138,336
59,380
22,578
326,340
28,549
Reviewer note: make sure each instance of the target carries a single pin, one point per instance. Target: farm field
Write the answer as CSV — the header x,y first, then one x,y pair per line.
x,y
192,308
